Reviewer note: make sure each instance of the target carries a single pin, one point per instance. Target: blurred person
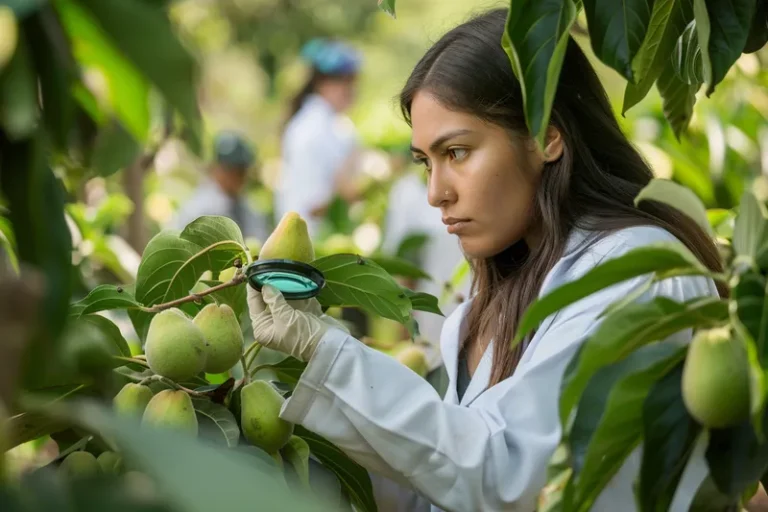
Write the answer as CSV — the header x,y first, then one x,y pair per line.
x,y
319,146
222,191
530,218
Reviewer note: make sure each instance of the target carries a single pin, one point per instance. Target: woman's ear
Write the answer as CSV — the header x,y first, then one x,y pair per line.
x,y
553,145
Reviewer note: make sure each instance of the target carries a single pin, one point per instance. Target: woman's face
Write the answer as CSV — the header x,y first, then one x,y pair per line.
x,y
483,181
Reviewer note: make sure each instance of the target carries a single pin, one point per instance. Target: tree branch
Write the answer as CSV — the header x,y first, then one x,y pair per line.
x,y
195,297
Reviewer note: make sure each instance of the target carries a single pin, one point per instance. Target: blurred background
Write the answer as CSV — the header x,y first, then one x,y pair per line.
x,y
255,59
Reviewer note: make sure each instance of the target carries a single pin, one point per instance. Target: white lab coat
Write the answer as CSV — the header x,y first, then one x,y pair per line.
x,y
489,451
316,144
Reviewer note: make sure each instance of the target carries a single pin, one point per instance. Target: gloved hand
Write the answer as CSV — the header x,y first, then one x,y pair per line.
x,y
293,327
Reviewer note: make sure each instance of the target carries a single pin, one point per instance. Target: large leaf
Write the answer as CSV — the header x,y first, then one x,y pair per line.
x,y
296,453
288,370
354,479
661,257
399,267
173,262
671,16
352,280
723,27
750,233
758,32
174,463
617,30
677,98
110,333
216,422
421,301
387,6
18,98
676,196
535,40
128,89
114,149
26,426
103,298
686,59
736,457
608,425
36,202
154,50
669,436
629,328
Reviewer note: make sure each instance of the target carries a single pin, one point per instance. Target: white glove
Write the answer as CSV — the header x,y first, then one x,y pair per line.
x,y
293,327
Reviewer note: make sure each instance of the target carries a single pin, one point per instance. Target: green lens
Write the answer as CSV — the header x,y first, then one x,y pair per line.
x,y
286,283
294,279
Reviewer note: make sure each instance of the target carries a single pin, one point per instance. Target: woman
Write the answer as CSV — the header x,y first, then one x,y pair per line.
x,y
319,144
529,221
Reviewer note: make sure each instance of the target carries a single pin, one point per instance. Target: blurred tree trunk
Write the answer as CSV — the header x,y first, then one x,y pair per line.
x,y
133,185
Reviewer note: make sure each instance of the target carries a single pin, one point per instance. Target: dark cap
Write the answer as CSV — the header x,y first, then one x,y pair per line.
x,y
231,149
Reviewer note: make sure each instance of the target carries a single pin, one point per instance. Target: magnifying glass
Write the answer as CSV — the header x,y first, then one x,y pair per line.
x,y
294,279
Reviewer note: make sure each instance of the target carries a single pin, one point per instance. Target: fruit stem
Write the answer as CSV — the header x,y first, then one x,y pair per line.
x,y
131,360
194,297
258,369
175,385
250,354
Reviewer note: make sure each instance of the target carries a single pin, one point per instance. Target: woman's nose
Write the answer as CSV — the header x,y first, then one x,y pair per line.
x,y
440,190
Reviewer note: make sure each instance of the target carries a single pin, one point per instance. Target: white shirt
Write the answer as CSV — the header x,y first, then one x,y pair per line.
x,y
490,450
316,143
210,199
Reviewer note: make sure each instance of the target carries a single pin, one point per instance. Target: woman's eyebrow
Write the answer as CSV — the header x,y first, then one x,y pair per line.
x,y
442,140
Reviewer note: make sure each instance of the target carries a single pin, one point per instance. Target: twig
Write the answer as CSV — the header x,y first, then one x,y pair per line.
x,y
132,360
194,297
169,382
245,368
251,353
259,368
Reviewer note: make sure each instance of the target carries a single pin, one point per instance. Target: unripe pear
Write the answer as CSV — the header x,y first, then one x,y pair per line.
x,y
175,347
111,463
289,241
79,465
223,336
414,358
259,417
132,399
715,382
227,274
171,409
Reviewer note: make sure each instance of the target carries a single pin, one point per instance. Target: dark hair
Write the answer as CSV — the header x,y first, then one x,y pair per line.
x,y
592,186
310,86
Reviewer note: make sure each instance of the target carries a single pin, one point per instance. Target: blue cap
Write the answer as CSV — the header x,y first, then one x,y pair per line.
x,y
332,57
231,149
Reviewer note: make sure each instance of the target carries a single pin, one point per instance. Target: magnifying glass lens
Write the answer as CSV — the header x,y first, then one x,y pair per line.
x,y
294,279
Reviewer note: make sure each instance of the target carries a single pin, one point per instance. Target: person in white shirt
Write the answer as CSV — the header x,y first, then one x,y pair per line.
x,y
221,191
319,145
529,219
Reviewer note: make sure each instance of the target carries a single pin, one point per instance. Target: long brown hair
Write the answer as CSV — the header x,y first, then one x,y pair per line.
x,y
592,186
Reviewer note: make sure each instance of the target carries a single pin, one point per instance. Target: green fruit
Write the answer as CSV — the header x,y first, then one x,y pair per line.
x,y
259,417
223,336
132,399
175,347
414,358
289,241
80,464
173,410
111,463
227,274
715,382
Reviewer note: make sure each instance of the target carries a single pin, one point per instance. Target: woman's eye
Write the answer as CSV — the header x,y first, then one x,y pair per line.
x,y
457,154
420,160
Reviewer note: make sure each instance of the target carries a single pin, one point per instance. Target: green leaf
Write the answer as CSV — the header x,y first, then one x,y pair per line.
x,y
608,424
678,99
629,328
669,436
110,332
617,31
399,267
411,245
736,458
723,27
174,463
673,21
388,6
750,233
296,453
421,301
26,426
758,31
354,281
676,196
660,257
288,370
173,262
114,149
36,203
354,478
103,298
18,94
216,422
535,40
128,89
686,59
154,50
